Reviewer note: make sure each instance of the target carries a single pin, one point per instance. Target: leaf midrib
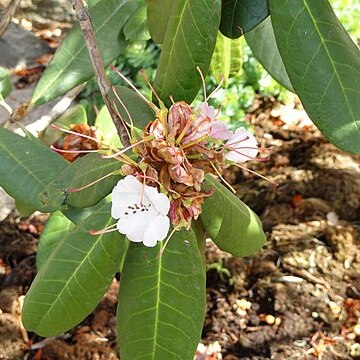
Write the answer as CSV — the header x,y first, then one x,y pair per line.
x,y
332,63
73,276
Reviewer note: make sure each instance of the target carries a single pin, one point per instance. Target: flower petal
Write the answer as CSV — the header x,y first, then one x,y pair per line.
x,y
220,131
243,146
126,193
157,231
159,200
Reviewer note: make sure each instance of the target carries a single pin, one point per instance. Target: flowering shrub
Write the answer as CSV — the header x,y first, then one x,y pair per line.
x,y
145,205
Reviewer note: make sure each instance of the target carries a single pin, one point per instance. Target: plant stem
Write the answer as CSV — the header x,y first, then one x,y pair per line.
x,y
98,64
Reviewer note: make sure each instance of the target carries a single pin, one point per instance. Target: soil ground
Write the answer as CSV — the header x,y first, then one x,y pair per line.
x,y
298,298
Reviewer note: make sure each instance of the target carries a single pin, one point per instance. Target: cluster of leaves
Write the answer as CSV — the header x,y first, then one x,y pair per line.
x,y
302,45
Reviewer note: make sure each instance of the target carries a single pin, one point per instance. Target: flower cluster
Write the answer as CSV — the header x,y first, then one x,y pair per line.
x,y
164,178
175,152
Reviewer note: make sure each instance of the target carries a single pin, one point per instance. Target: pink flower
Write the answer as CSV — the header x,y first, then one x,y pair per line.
x,y
242,145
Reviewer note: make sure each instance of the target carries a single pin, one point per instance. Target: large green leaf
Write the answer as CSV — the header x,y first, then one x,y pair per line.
x,y
71,64
323,64
55,231
241,16
139,110
136,26
227,59
189,42
158,15
162,300
263,45
231,224
26,167
74,278
78,174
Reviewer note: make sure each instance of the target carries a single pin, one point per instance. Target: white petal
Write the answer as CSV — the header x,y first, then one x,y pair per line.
x,y
157,231
159,200
244,144
126,193
134,226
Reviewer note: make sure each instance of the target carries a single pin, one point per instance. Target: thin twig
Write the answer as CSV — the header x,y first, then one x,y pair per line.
x,y
98,65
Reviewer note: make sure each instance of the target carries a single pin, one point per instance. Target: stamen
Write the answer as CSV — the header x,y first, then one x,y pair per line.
x,y
123,150
202,80
217,89
172,99
103,231
123,122
144,75
191,143
186,128
255,173
152,105
79,134
166,242
124,107
222,178
245,155
73,151
91,184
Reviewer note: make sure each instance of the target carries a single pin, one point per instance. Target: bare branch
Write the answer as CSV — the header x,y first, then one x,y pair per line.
x,y
98,65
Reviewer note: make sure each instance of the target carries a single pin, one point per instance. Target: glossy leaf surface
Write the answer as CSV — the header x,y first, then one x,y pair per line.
x,y
27,167
136,27
162,300
323,64
231,224
158,15
262,43
71,64
189,42
56,229
241,16
74,278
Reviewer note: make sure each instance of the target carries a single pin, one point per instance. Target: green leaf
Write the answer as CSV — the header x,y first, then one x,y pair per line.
x,y
263,45
231,224
55,231
189,42
75,115
5,82
82,172
106,127
75,277
71,64
136,26
227,59
27,167
241,16
162,300
323,64
139,110
158,15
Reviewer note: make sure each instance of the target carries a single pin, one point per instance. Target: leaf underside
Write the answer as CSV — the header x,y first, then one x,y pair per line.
x,y
262,43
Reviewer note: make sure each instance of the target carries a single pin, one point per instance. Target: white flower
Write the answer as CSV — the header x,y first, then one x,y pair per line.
x,y
141,211
242,145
